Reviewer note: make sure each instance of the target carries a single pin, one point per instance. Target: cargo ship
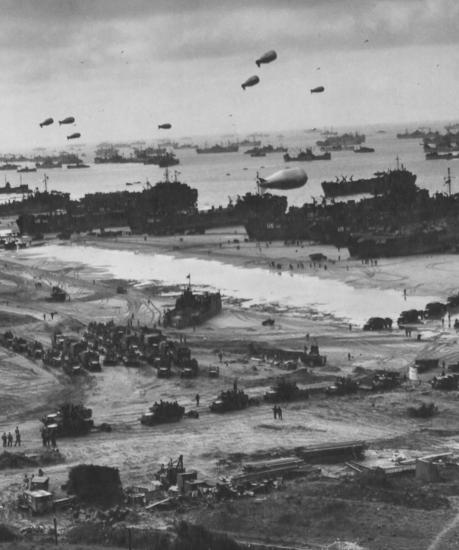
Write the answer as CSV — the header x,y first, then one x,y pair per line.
x,y
266,149
416,134
77,165
307,156
168,159
19,189
9,166
48,164
346,141
229,148
250,143
380,183
439,155
111,155
362,149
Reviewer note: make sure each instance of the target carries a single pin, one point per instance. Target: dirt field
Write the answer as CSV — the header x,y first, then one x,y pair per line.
x,y
302,512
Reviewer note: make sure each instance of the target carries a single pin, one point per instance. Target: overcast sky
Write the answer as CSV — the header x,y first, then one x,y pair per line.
x,y
122,67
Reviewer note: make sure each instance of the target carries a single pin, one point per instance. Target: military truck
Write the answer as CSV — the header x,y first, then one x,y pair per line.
x,y
35,350
343,385
19,344
410,317
446,382
69,420
111,358
453,301
90,360
57,294
313,358
435,310
164,411
190,369
378,323
213,371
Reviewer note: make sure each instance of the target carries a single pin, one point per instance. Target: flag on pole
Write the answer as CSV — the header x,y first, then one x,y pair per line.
x,y
188,276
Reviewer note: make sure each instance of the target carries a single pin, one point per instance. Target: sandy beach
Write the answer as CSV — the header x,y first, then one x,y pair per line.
x,y
119,395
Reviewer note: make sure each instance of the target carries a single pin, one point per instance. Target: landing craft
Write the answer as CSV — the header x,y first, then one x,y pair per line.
x,y
74,136
68,120
317,90
165,126
266,57
290,178
46,122
250,82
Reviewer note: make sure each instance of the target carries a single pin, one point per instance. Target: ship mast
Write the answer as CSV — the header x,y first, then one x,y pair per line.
x,y
448,179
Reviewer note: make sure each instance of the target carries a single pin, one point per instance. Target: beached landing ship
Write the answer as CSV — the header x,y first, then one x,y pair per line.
x,y
376,185
378,245
193,309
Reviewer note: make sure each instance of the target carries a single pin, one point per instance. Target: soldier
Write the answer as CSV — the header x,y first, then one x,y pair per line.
x,y
197,399
10,439
275,412
17,433
279,412
4,438
53,439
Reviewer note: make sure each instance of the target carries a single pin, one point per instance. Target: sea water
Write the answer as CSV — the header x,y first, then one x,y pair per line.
x,y
220,176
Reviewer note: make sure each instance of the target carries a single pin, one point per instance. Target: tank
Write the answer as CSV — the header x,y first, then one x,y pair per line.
x,y
285,390
385,380
164,411
230,400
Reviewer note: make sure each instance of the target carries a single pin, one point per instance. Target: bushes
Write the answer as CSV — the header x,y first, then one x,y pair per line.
x,y
95,484
187,537
6,533
197,537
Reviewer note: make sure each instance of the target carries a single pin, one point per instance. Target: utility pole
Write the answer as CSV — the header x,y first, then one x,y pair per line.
x,y
45,182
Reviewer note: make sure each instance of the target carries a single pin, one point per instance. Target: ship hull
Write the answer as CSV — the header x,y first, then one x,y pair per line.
x,y
375,185
379,247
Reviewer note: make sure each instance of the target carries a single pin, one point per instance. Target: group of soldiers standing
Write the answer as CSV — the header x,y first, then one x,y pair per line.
x,y
7,438
48,436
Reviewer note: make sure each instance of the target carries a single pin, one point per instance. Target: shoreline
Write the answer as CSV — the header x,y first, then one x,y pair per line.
x,y
314,290
399,273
